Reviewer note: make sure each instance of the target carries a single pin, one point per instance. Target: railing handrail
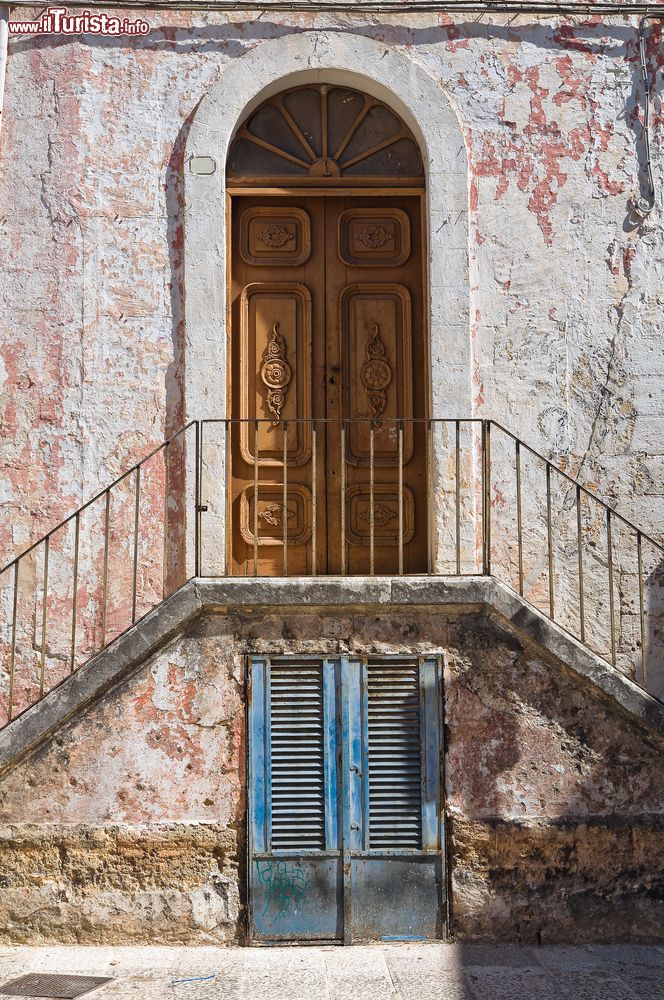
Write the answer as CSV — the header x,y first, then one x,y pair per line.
x,y
584,489
333,420
179,562
344,420
97,496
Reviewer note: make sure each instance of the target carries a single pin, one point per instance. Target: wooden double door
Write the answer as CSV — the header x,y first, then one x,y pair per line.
x,y
328,386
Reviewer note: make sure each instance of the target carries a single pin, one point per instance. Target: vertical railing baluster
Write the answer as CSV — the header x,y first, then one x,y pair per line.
x,y
400,432
579,546
42,668
609,563
202,508
137,511
104,586
483,495
371,501
285,498
549,542
104,597
256,429
314,498
642,615
519,515
74,606
197,497
165,553
228,528
486,495
12,654
343,497
457,490
429,493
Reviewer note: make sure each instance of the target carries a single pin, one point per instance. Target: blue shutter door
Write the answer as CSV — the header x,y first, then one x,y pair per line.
x,y
345,835
394,755
397,883
295,876
297,757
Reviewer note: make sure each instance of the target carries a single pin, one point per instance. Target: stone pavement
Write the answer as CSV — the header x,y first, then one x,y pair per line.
x,y
373,972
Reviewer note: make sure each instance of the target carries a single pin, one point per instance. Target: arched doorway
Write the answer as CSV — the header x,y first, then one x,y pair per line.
x,y
328,340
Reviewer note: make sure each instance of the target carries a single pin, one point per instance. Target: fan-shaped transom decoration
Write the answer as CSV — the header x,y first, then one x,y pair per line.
x,y
324,132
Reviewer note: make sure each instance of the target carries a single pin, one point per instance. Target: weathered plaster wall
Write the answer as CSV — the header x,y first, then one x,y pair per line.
x,y
564,295
565,303
137,833
130,826
565,285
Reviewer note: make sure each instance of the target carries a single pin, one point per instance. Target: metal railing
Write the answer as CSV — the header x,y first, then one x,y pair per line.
x,y
444,497
93,575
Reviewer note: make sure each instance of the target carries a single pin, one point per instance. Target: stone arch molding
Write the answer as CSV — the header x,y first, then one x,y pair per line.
x,y
321,56
393,77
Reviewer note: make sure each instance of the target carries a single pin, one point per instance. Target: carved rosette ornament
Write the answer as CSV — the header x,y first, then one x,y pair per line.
x,y
382,514
275,236
276,372
376,373
374,237
273,513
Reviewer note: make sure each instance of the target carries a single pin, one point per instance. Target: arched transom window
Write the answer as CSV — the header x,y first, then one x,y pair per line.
x,y
327,133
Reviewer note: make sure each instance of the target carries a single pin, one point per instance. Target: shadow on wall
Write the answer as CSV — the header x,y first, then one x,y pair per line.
x,y
175,569
615,40
174,199
654,613
555,802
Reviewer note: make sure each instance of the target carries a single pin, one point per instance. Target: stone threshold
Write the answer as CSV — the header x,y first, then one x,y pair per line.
x,y
203,595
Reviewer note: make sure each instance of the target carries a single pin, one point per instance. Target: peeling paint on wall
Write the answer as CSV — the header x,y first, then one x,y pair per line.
x,y
566,300
566,334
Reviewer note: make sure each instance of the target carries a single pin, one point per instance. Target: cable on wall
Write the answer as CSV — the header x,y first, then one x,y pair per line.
x,y
645,204
404,7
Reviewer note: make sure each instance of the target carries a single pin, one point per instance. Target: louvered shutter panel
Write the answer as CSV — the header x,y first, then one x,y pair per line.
x,y
297,756
393,752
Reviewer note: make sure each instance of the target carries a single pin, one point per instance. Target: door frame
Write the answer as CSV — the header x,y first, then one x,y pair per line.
x,y
392,75
313,191
435,661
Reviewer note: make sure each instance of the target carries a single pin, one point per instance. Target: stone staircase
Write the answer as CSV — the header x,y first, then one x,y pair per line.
x,y
103,591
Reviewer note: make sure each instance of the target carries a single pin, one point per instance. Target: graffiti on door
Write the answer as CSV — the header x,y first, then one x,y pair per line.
x,y
285,886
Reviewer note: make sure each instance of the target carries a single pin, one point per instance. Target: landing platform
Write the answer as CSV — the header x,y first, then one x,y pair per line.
x,y
395,971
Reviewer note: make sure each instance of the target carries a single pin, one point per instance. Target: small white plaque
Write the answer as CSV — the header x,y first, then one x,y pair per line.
x,y
202,165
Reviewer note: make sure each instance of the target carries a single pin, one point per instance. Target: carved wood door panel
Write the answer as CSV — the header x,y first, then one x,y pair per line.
x,y
376,362
277,357
327,325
